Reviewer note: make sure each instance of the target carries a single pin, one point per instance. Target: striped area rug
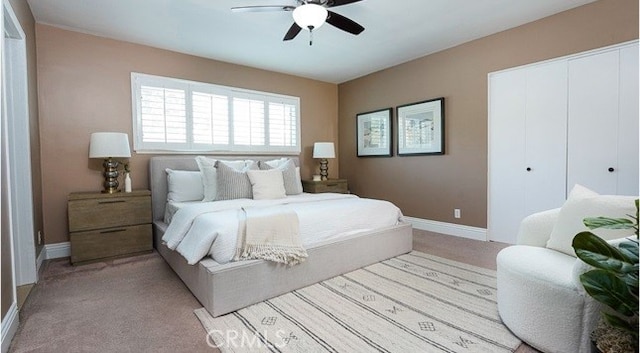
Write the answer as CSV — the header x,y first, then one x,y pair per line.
x,y
411,303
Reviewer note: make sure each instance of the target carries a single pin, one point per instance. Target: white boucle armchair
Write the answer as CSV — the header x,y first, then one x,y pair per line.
x,y
540,298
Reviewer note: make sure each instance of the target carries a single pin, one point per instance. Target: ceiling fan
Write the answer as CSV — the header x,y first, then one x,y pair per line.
x,y
310,15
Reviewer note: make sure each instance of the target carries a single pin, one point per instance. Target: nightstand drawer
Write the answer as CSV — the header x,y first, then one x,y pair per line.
x,y
88,214
331,185
103,243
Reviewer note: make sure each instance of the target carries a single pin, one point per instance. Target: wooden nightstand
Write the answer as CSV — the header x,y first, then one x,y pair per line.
x,y
103,226
331,185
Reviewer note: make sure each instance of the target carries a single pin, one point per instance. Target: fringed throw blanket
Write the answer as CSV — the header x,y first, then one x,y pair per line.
x,y
270,234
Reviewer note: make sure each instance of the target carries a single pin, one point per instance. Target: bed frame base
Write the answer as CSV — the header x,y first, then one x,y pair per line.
x,y
226,288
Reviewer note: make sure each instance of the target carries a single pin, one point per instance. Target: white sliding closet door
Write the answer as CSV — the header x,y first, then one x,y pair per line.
x,y
627,174
527,149
507,101
546,131
593,117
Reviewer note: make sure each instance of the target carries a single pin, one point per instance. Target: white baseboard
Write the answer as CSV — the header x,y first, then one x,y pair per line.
x,y
9,326
40,260
457,230
57,250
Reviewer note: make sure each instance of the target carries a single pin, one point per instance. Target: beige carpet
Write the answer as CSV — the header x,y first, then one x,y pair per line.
x,y
412,303
139,304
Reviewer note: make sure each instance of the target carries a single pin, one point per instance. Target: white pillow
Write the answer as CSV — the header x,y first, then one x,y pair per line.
x,y
267,184
291,175
184,185
210,176
584,203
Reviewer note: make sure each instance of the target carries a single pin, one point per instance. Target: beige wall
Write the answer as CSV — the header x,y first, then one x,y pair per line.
x,y
84,86
430,187
23,13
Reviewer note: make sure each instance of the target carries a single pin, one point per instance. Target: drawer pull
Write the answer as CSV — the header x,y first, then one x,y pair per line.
x,y
112,201
113,231
332,185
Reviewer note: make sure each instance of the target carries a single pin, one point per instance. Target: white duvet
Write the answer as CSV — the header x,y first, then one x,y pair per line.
x,y
211,228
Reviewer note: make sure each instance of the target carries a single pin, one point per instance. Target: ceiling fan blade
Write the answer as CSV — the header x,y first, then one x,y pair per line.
x,y
334,3
344,23
262,8
293,32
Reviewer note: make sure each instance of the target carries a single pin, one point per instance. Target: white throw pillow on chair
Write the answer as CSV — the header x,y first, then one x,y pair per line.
x,y
584,203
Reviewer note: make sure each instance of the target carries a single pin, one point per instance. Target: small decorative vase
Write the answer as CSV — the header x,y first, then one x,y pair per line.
x,y
127,183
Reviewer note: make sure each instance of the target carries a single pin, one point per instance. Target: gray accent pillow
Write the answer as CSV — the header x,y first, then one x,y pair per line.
x,y
289,174
233,184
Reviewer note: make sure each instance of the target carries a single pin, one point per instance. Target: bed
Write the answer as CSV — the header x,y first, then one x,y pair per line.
x,y
225,287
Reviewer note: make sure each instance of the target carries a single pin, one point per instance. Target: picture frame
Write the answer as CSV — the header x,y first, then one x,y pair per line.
x,y
421,128
374,132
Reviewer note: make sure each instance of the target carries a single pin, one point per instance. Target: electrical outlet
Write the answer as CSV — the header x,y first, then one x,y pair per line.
x,y
39,237
456,213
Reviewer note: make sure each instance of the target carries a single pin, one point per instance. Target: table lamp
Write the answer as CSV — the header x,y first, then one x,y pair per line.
x,y
324,150
109,145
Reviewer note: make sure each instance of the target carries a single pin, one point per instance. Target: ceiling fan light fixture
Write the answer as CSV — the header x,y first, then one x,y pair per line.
x,y
310,16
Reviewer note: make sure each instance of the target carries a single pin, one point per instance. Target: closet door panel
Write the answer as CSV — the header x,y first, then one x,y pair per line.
x,y
593,122
507,92
545,138
627,172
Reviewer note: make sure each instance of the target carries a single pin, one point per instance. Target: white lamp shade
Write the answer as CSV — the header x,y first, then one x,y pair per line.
x,y
310,15
323,150
109,144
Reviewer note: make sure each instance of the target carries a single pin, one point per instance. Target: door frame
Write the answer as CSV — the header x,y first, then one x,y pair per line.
x,y
16,117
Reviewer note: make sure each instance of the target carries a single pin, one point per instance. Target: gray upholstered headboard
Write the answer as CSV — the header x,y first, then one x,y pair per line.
x,y
158,175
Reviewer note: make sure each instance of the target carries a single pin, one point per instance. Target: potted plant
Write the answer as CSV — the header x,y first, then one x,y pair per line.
x,y
613,282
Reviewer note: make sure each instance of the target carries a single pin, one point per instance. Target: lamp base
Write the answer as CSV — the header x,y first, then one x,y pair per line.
x,y
324,169
110,176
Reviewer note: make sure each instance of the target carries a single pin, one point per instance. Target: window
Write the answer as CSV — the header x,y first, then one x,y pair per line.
x,y
186,116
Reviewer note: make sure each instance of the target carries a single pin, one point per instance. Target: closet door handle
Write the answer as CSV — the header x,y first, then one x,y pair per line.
x,y
611,170
528,169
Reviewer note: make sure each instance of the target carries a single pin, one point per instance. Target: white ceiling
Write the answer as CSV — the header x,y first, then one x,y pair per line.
x,y
395,31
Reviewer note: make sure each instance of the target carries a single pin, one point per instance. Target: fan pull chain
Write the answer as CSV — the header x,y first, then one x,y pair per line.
x,y
311,35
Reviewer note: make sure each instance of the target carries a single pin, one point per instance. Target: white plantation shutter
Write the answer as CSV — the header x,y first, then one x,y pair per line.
x,y
163,118
210,119
185,116
283,124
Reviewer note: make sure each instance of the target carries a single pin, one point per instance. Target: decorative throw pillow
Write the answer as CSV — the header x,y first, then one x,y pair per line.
x,y
292,183
231,183
184,185
584,203
267,184
209,175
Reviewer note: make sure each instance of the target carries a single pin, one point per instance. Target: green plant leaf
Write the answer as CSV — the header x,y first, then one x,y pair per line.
x,y
598,253
630,250
619,322
608,223
609,290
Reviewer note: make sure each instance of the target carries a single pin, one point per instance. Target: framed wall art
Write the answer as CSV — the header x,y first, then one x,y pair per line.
x,y
374,133
421,128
